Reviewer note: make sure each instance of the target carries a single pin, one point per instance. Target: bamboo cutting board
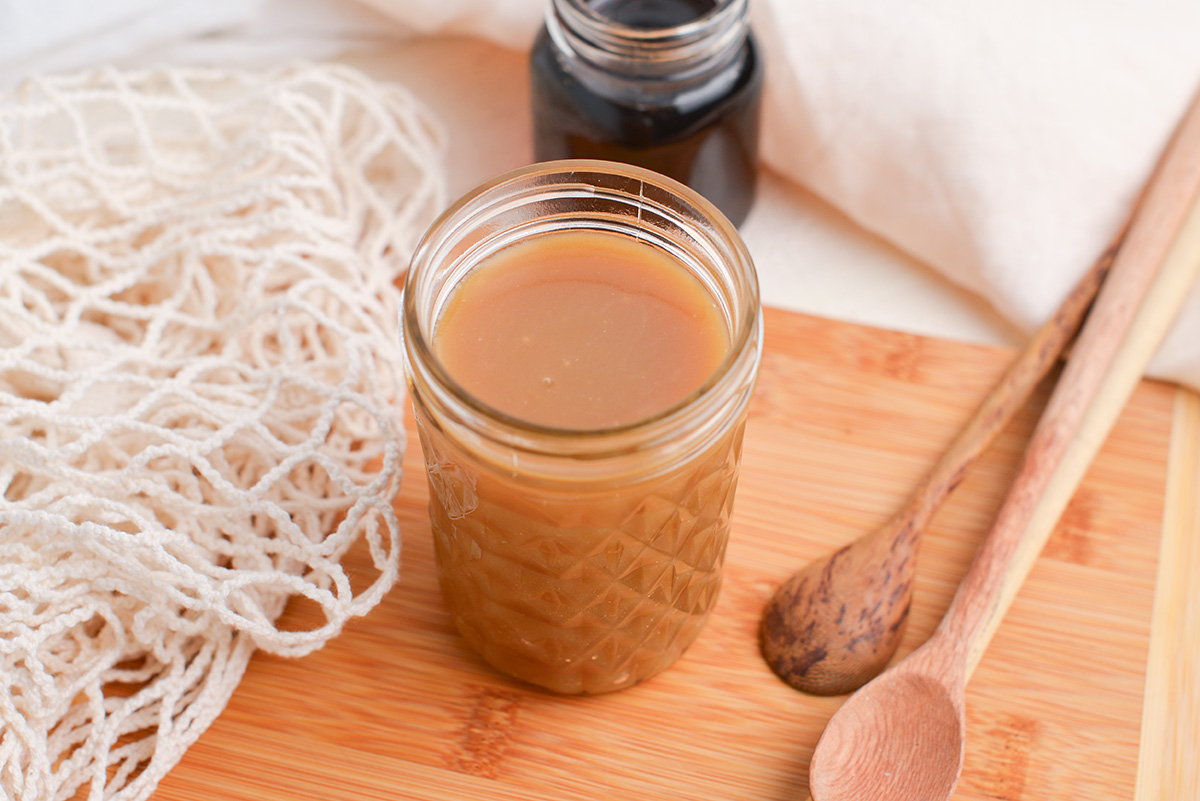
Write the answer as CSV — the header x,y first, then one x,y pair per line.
x,y
1087,691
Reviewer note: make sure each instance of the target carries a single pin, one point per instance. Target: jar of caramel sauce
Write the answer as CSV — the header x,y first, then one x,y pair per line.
x,y
671,85
581,341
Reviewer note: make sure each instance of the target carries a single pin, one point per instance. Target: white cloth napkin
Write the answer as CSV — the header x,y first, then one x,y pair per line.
x,y
1001,143
50,35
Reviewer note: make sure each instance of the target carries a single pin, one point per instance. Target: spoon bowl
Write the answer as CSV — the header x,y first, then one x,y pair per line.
x,y
900,719
835,624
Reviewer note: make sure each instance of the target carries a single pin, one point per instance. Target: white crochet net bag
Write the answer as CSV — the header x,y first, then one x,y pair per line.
x,y
200,386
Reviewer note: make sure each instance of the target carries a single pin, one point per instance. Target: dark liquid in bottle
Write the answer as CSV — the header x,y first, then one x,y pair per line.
x,y
705,137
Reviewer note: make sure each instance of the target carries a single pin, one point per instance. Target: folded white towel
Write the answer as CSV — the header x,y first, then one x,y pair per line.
x,y
38,36
1001,143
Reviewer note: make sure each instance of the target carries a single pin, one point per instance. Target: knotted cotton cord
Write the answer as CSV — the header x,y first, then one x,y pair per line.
x,y
200,387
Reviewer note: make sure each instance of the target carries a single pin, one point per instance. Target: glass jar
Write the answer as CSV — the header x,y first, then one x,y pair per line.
x,y
582,561
671,85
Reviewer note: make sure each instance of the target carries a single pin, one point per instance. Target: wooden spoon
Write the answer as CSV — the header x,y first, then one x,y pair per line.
x,y
902,735
835,623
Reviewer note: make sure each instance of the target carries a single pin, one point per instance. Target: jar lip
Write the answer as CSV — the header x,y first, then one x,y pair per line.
x,y
695,47
714,17
748,319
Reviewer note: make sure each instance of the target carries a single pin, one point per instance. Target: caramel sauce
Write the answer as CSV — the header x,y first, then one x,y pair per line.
x,y
581,330
580,585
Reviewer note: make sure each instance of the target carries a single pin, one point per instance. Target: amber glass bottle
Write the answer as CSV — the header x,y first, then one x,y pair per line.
x,y
670,85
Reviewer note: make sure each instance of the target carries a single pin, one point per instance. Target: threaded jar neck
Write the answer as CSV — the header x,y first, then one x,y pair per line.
x,y
582,28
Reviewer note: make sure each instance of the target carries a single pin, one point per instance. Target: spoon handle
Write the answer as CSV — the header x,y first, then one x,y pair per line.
x,y
1145,288
1010,393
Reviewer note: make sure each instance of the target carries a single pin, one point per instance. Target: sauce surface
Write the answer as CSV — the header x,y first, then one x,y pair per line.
x,y
581,330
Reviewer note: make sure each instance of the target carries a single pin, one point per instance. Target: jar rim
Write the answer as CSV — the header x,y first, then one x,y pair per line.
x,y
746,321
716,16
698,45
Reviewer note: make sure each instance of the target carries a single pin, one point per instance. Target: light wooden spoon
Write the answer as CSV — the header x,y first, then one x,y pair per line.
x,y
902,736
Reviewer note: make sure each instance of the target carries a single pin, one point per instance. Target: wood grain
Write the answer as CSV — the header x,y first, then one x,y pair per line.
x,y
1168,766
846,419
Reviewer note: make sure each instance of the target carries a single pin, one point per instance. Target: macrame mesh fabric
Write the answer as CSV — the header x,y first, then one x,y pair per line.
x,y
200,387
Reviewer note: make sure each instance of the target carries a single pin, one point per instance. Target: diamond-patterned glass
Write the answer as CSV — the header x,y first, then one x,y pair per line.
x,y
581,594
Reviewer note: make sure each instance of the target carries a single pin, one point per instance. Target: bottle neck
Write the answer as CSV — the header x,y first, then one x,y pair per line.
x,y
684,51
